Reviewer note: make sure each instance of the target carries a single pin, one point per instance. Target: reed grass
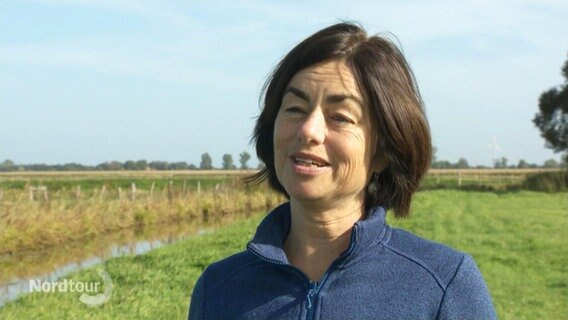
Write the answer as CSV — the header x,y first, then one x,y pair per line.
x,y
65,216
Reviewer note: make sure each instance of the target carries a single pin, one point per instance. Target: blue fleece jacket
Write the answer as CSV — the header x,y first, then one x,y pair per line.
x,y
385,273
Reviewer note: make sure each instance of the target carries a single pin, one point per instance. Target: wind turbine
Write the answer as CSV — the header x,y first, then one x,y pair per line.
x,y
495,148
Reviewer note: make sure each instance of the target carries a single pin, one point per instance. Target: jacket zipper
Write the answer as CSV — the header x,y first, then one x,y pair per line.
x,y
315,287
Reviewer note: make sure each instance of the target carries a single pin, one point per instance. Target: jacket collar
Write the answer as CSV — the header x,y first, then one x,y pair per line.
x,y
268,242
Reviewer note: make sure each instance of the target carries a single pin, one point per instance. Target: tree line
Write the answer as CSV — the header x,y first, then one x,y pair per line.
x,y
227,163
205,164
500,163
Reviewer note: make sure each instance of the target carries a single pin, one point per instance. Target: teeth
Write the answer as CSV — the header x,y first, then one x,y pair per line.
x,y
307,162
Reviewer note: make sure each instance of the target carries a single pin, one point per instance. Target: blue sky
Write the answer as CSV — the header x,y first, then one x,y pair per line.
x,y
91,81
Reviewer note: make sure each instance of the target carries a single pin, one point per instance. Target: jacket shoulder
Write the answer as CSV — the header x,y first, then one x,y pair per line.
x,y
219,272
438,259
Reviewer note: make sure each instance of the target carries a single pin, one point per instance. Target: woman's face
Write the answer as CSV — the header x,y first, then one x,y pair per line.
x,y
322,136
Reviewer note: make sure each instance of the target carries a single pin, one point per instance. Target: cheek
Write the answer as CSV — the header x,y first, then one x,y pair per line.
x,y
355,150
277,135
358,146
282,133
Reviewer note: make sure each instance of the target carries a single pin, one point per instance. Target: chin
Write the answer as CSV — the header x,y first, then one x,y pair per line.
x,y
303,194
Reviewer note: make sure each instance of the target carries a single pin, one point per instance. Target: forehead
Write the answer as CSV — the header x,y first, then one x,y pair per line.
x,y
334,76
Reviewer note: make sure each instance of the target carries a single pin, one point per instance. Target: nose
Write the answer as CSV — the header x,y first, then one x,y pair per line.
x,y
313,129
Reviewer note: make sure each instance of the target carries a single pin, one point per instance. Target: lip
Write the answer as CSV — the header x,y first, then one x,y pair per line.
x,y
308,171
309,156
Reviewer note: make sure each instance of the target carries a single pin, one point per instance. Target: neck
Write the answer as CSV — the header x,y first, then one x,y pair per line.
x,y
318,235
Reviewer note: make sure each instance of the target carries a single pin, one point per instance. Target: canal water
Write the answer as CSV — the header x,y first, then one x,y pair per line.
x,y
19,269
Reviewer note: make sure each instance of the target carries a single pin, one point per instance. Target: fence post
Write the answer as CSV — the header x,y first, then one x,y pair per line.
x,y
198,186
31,189
78,192
183,188
119,193
170,190
103,191
152,189
45,196
133,191
459,179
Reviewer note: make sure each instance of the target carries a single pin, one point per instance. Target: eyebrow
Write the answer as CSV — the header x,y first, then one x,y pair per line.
x,y
334,98
297,92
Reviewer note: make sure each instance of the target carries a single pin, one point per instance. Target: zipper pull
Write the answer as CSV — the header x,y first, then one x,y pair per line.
x,y
311,293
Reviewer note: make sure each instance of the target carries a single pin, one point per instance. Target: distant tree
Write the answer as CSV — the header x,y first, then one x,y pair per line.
x,y
7,165
500,163
260,165
244,157
36,167
69,167
181,165
552,119
551,163
206,162
141,165
101,166
442,164
158,165
445,164
109,166
115,166
523,164
228,162
462,164
130,165
192,166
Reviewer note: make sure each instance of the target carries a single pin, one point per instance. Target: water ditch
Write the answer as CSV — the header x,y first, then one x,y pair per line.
x,y
19,269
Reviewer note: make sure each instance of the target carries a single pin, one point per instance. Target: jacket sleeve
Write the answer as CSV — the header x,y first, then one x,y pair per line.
x,y
197,304
466,296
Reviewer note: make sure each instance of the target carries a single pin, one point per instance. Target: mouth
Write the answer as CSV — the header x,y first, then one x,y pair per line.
x,y
308,160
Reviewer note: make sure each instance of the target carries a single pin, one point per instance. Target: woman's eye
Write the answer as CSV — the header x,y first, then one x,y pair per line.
x,y
294,110
341,119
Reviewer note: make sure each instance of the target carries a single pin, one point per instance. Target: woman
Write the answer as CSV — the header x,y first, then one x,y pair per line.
x,y
344,136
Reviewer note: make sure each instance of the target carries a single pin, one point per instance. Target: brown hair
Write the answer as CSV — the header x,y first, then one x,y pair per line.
x,y
383,75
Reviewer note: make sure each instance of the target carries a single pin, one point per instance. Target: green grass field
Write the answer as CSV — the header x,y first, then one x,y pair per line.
x,y
90,183
519,240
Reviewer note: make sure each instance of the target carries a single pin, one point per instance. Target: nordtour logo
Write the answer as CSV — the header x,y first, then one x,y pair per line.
x,y
86,288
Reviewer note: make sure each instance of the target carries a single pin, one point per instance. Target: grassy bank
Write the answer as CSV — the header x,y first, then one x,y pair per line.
x,y
32,221
519,241
156,285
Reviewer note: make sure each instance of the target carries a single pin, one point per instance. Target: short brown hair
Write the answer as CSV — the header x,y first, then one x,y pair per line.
x,y
383,75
